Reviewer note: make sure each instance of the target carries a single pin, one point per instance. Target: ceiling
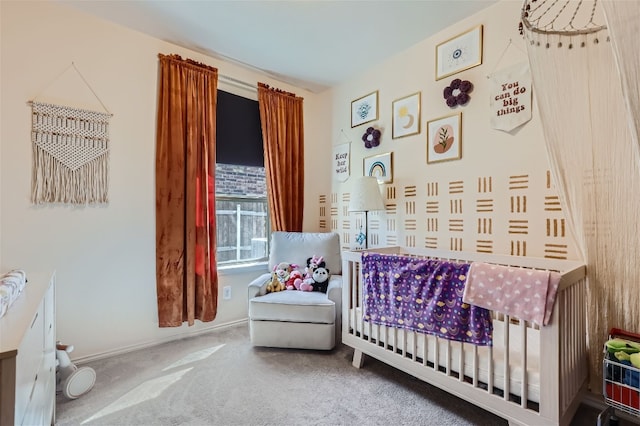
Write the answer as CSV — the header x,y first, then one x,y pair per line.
x,y
309,44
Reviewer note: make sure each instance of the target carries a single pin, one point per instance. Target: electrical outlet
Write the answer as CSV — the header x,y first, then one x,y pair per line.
x,y
226,292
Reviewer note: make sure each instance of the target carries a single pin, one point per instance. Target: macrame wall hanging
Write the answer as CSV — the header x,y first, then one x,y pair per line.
x,y
70,154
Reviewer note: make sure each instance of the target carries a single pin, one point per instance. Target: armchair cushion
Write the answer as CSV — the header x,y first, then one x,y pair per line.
x,y
297,247
296,306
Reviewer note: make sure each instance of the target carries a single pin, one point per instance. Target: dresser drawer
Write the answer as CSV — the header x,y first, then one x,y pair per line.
x,y
49,320
28,363
34,411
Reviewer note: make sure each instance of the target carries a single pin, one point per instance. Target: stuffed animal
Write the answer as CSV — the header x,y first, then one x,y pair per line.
x,y
320,279
303,284
306,283
294,276
280,276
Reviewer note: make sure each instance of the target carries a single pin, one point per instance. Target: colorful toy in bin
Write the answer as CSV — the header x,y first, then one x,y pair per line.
x,y
621,376
622,345
626,352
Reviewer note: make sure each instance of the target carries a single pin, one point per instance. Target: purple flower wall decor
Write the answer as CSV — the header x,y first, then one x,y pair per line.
x,y
371,137
457,93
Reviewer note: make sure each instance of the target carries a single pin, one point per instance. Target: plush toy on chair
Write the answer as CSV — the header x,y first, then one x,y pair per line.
x,y
294,277
280,278
71,380
307,283
321,277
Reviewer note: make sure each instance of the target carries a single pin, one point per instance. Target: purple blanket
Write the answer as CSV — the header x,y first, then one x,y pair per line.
x,y
423,295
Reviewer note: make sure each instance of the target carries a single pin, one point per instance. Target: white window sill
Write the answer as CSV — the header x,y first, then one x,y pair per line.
x,y
243,268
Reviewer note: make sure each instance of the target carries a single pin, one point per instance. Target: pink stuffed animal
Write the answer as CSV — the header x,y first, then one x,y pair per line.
x,y
294,276
306,284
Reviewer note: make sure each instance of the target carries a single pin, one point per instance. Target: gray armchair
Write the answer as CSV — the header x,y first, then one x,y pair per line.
x,y
298,319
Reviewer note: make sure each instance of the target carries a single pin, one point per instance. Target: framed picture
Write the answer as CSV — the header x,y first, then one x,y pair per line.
x,y
364,109
459,53
444,138
406,116
379,166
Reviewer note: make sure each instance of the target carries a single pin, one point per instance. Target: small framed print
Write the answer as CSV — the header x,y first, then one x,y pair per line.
x,y
459,53
364,109
379,166
444,138
406,116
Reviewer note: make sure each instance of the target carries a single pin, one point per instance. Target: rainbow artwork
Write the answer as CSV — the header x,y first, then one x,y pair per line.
x,y
377,169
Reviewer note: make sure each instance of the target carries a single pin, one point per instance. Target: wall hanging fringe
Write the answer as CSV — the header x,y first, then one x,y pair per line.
x,y
70,155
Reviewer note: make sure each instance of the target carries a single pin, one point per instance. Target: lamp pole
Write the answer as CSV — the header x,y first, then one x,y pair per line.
x,y
365,197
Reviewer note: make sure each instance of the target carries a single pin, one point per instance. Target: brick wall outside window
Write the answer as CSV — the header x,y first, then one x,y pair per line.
x,y
243,181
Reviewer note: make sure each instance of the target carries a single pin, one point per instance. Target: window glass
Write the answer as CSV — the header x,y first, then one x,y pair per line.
x,y
242,226
238,131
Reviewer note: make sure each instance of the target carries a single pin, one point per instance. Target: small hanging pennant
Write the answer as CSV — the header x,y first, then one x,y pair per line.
x,y
510,97
341,161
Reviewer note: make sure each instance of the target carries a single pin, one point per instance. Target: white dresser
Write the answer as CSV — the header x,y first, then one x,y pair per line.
x,y
27,355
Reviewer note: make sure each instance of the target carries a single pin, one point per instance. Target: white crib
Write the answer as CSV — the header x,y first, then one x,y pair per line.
x,y
493,377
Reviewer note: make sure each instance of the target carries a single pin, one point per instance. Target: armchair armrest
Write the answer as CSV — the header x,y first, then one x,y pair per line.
x,y
258,287
334,289
334,293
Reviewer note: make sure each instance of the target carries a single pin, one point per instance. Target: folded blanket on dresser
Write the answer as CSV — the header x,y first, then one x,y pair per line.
x,y
423,295
11,285
527,294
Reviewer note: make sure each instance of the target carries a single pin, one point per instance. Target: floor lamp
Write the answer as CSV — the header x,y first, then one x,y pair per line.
x,y
365,197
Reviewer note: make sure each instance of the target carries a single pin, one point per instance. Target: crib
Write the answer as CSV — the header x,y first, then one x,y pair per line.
x,y
506,378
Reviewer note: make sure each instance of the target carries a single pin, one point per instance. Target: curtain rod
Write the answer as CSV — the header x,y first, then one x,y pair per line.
x,y
237,83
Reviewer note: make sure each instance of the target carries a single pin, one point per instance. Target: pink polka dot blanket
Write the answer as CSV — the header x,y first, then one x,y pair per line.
x,y
423,295
527,294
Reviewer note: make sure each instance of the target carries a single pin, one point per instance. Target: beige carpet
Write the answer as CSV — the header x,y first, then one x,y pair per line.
x,y
220,379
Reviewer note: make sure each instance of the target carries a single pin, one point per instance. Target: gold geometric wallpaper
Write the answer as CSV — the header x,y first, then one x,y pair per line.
x,y
518,215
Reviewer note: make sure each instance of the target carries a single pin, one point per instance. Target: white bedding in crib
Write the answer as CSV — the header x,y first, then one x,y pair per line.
x,y
11,285
396,338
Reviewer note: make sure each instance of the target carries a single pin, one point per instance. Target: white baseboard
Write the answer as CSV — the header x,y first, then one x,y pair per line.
x,y
155,342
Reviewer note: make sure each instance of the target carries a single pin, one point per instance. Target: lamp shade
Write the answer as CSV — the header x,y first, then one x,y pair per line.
x,y
365,195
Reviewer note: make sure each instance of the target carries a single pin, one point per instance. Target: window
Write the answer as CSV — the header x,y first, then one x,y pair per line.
x,y
242,214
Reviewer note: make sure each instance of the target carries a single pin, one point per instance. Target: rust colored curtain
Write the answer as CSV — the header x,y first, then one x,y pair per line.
x,y
283,139
186,272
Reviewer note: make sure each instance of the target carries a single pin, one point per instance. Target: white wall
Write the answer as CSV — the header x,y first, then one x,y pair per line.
x,y
486,152
105,255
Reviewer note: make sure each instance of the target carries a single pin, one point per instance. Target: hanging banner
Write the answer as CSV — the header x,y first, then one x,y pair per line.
x,y
341,160
510,97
